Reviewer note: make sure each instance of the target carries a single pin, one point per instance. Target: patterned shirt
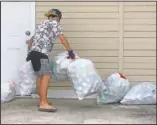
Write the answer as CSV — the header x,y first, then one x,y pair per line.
x,y
45,35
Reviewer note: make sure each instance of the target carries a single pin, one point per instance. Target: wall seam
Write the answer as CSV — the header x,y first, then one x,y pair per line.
x,y
121,37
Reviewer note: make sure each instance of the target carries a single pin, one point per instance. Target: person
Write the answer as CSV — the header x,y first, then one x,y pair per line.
x,y
39,45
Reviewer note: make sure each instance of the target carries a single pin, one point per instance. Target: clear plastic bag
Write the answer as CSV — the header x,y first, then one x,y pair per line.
x,y
60,65
86,81
8,91
142,93
115,88
27,79
26,89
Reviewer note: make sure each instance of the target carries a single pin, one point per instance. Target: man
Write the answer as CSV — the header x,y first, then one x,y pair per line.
x,y
40,44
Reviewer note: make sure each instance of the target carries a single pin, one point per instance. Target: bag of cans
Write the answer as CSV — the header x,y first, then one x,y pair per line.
x,y
115,88
141,93
8,91
60,64
86,81
27,79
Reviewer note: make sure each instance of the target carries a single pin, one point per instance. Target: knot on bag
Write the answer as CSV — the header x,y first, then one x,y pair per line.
x,y
121,75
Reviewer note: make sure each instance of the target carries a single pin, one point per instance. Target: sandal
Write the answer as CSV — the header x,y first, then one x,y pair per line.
x,y
47,110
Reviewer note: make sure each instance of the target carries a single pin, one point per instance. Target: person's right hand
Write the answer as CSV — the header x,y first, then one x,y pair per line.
x,y
71,54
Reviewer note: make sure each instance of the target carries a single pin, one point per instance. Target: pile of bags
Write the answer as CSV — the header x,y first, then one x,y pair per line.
x,y
117,89
86,81
25,84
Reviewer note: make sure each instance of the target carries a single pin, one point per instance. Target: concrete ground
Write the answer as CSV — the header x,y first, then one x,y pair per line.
x,y
74,111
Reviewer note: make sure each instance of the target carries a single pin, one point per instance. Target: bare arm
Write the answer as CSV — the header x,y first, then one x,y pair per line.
x,y
30,42
64,42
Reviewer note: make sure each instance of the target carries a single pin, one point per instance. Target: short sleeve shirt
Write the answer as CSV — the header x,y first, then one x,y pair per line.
x,y
45,35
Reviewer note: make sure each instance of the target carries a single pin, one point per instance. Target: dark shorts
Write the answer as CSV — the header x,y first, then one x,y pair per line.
x,y
40,63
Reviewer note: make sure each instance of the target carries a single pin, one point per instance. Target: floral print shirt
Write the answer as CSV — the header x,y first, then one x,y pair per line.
x,y
45,35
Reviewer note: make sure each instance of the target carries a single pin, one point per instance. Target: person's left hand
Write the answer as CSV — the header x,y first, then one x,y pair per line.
x,y
71,54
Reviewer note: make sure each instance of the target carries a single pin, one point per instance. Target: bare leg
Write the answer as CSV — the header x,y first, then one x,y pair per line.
x,y
43,92
38,81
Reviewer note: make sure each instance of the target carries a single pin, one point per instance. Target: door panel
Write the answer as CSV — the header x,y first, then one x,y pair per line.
x,y
16,20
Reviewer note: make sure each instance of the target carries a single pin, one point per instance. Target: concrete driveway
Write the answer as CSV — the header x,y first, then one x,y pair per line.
x,y
22,111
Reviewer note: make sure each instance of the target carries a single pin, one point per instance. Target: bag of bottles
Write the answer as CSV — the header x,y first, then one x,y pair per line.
x,y
142,93
8,91
27,79
115,88
60,65
86,81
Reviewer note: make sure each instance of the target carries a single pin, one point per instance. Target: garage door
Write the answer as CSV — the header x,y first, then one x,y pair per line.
x,y
92,30
140,41
116,36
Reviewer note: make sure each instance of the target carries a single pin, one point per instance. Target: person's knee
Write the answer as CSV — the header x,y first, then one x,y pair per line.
x,y
47,76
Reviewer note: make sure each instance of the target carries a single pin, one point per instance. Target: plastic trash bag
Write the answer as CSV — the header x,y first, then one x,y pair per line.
x,y
26,89
115,88
8,91
86,81
60,74
142,93
53,77
27,79
60,65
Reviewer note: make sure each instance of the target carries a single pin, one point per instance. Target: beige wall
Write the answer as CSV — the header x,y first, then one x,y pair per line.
x,y
139,60
116,36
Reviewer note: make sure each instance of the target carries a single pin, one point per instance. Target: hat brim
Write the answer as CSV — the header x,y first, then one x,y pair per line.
x,y
48,14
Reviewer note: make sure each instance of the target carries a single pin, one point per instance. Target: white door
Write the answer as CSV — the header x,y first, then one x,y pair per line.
x,y
17,18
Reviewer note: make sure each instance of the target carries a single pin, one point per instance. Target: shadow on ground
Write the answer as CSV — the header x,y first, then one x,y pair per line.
x,y
22,111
